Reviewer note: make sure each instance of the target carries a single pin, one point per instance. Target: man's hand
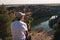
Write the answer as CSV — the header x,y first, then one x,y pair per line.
x,y
26,33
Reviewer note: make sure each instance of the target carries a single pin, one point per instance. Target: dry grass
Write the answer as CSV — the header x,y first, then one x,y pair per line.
x,y
41,36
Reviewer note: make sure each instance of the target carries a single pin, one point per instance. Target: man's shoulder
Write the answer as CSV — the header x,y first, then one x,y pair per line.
x,y
14,22
18,23
23,23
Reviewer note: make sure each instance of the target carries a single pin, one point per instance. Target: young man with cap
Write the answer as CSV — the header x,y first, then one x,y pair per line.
x,y
18,27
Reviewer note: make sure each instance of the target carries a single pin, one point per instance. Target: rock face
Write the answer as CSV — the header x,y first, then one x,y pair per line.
x,y
42,36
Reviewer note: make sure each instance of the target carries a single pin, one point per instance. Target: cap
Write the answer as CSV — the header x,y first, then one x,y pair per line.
x,y
19,14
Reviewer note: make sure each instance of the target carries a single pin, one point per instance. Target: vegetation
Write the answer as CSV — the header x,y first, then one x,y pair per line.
x,y
5,21
44,12
57,33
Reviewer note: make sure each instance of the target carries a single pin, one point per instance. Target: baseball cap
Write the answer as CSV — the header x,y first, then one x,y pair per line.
x,y
19,14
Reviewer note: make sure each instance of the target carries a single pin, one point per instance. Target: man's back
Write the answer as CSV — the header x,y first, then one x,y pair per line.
x,y
18,28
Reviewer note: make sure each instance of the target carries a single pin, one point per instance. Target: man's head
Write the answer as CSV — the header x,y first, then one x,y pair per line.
x,y
20,16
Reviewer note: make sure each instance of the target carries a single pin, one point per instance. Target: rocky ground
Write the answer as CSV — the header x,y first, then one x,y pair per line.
x,y
43,35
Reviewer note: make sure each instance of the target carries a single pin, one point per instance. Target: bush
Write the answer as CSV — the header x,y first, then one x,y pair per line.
x,y
5,21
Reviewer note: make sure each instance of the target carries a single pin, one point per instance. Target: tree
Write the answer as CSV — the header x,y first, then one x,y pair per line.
x,y
28,18
57,26
5,21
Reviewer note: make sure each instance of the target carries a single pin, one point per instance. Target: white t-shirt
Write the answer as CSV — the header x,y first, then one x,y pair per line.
x,y
18,28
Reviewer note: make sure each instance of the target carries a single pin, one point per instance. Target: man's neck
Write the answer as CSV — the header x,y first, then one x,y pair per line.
x,y
22,20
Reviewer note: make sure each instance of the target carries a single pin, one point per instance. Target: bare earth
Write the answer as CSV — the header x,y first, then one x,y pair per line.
x,y
41,36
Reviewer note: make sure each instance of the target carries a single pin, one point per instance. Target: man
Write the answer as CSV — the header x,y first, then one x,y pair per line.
x,y
18,27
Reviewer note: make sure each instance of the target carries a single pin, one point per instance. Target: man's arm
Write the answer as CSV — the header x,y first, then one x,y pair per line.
x,y
25,29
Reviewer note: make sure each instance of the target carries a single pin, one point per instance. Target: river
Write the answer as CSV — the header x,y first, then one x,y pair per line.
x,y
44,25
